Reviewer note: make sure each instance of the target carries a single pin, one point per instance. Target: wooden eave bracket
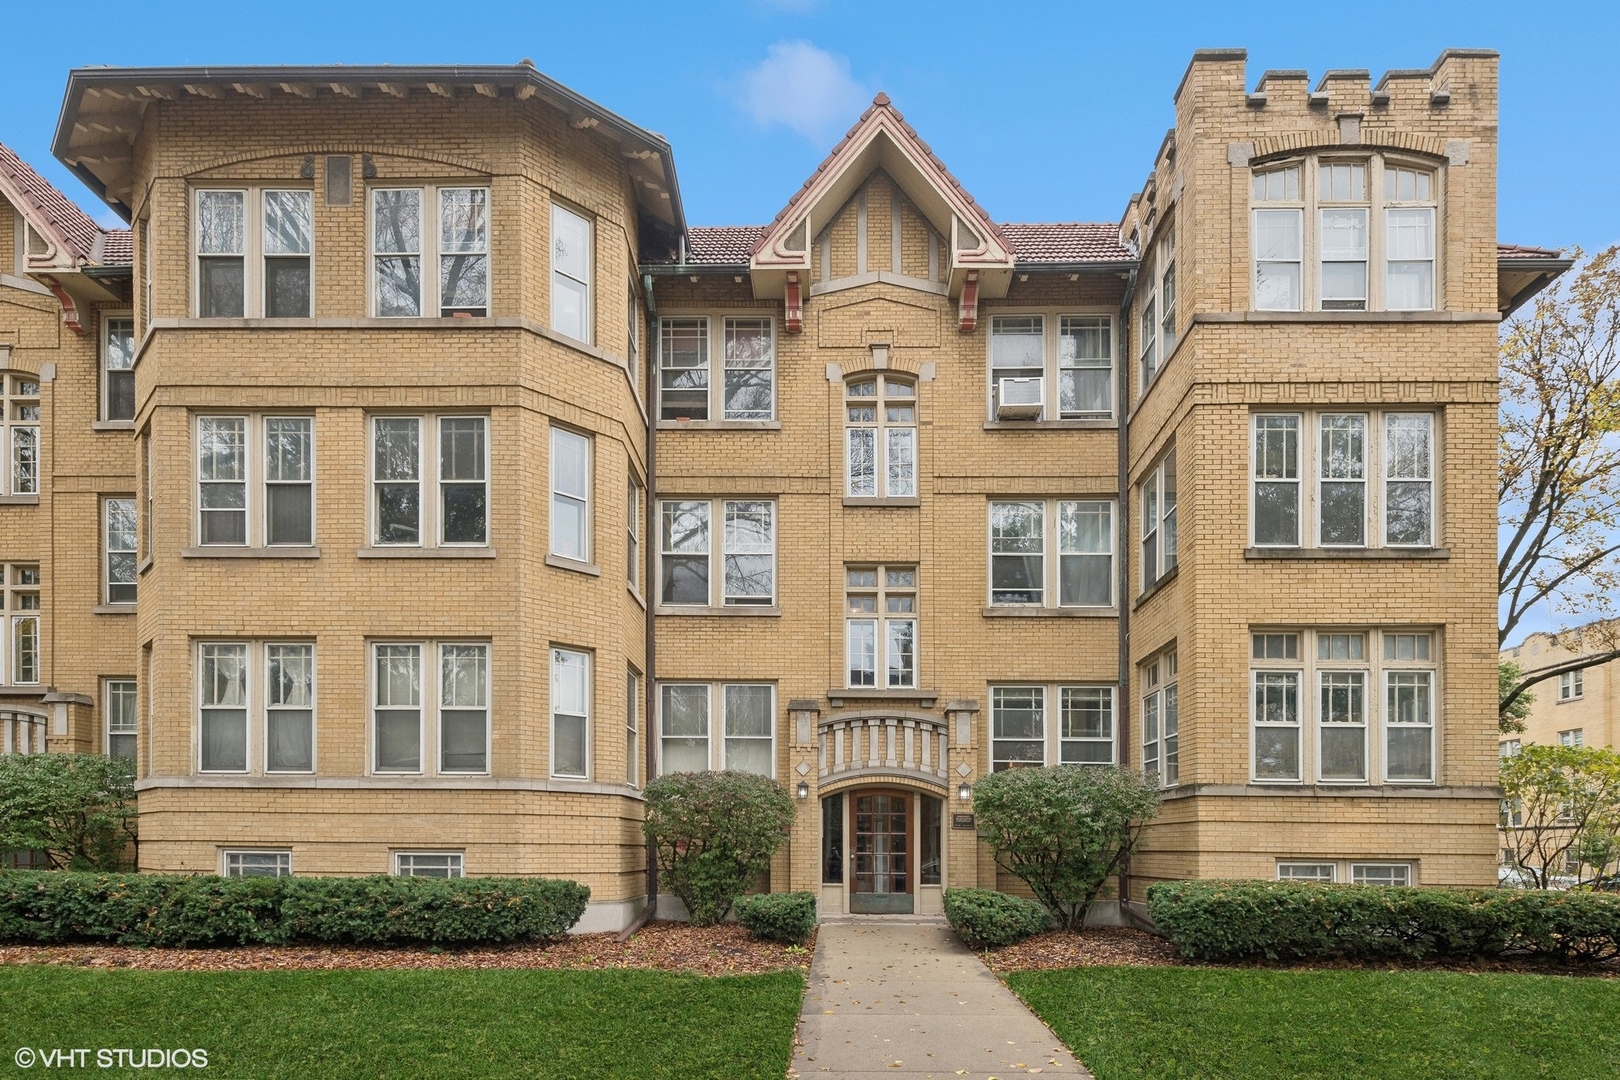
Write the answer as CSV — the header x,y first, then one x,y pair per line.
x,y
968,305
70,308
793,318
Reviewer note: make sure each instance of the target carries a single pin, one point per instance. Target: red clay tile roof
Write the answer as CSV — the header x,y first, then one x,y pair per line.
x,y
726,244
1520,251
1066,241
1031,243
78,228
119,250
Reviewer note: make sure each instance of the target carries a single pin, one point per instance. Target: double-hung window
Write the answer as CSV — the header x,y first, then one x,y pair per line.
x,y
880,438
1032,352
1317,714
21,649
1021,737
1341,194
404,240
1017,727
118,530
570,713
632,732
1572,737
257,498
570,495
1158,307
572,261
750,378
1161,719
19,434
403,514
1372,243
683,368
409,710
1156,496
118,707
223,705
245,271
881,626
633,507
241,731
1571,685
1345,507
118,368
1081,534
744,543
1086,736
289,715
747,739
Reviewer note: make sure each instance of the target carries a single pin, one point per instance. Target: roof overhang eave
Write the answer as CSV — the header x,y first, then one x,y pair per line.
x,y
1543,273
1089,266
684,269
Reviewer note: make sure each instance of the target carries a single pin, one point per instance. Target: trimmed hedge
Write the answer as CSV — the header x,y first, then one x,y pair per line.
x,y
788,917
1280,920
176,910
984,918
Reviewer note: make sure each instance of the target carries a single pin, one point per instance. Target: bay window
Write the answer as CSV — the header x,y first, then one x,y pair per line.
x,y
405,243
570,714
257,499
570,495
572,262
1161,718
251,272
430,707
1156,496
415,507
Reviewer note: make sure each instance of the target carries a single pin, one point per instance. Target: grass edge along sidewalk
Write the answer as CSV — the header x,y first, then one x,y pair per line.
x,y
406,1023
1126,1023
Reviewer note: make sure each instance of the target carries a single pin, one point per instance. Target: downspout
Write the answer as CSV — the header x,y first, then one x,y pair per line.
x,y
1123,712
650,678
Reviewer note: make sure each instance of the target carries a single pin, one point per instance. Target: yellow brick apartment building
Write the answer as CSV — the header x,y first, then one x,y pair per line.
x,y
413,481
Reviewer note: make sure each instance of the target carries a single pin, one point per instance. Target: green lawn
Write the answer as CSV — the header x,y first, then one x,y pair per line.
x,y
565,1024
1125,1023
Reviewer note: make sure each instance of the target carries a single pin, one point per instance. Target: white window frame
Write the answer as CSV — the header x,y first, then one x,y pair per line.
x,y
585,500
1430,701
16,432
255,479
1157,506
1156,311
716,736
1575,737
441,707
1396,870
1380,205
668,325
1310,461
553,712
635,513
122,690
455,863
1056,322
254,253
248,701
424,753
231,859
271,707
718,515
429,706
108,539
1571,686
257,704
1160,731
1109,699
1307,870
428,253
883,434
1035,694
428,481
632,727
707,735
1052,553
883,621
23,607
587,312
111,321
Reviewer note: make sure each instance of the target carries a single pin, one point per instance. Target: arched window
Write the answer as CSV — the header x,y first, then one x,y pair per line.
x,y
880,440
19,433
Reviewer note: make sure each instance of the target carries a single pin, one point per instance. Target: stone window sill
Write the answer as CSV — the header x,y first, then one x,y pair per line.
x,y
114,609
1164,580
1264,554
19,500
1009,611
112,425
896,502
562,562
250,553
729,611
719,425
424,553
1051,425
924,698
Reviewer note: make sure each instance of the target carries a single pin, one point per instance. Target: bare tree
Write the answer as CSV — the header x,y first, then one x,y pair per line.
x,y
1558,493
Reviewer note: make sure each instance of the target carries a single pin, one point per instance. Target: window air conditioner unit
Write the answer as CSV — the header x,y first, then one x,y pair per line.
x,y
1019,399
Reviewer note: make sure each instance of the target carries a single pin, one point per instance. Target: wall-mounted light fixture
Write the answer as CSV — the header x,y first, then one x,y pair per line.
x,y
804,790
965,792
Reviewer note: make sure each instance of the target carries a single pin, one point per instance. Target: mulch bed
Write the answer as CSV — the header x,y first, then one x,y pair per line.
x,y
1114,946
658,946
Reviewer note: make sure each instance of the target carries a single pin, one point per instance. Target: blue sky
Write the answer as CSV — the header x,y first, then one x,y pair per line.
x,y
1045,111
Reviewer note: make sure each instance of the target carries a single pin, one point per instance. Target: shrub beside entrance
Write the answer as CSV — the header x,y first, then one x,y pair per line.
x,y
787,917
715,833
986,919
45,907
1280,920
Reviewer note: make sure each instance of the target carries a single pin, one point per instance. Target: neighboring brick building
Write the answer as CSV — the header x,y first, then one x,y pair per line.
x,y
1577,708
396,558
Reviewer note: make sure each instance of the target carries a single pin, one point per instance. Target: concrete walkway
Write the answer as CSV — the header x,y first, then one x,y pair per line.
x,y
907,999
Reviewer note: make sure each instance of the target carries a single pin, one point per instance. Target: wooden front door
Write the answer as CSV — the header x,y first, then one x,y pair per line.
x,y
881,875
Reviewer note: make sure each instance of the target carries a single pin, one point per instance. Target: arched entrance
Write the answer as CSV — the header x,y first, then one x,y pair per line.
x,y
882,849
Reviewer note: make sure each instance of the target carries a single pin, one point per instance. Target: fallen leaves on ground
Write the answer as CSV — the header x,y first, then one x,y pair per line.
x,y
658,946
1097,946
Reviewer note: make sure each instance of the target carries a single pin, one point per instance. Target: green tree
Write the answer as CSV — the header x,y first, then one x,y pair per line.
x,y
1558,464
715,833
1064,830
78,809
1561,813
1510,716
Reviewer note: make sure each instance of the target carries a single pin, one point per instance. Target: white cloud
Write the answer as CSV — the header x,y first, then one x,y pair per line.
x,y
805,89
